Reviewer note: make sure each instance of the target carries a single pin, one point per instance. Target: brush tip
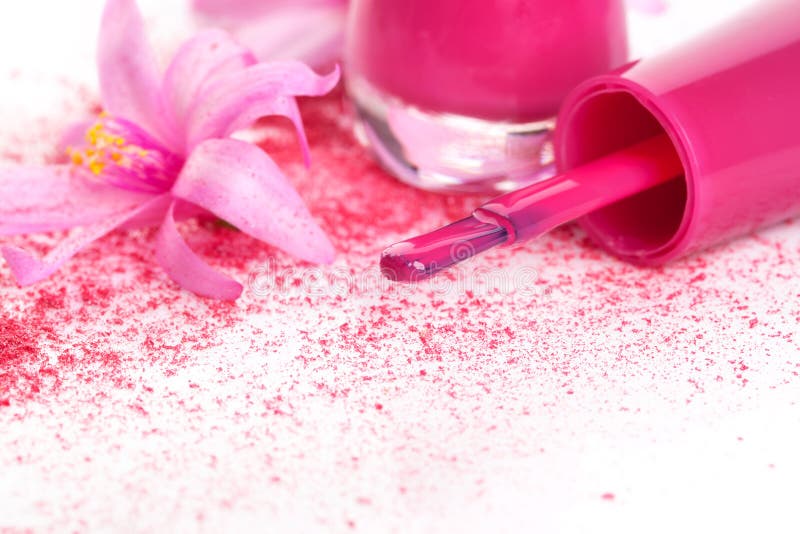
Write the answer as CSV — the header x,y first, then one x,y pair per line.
x,y
421,257
398,266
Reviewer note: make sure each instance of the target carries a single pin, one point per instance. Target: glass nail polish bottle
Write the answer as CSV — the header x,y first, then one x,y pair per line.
x,y
461,95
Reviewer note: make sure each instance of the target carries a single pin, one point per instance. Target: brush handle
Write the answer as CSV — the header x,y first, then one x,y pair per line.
x,y
538,208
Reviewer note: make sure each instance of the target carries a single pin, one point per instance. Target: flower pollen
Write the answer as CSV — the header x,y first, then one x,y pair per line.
x,y
105,147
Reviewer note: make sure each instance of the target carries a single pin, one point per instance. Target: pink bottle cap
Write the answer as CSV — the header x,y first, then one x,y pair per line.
x,y
730,103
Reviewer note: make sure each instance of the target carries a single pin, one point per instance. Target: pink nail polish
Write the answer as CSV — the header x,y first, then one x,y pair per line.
x,y
661,158
462,94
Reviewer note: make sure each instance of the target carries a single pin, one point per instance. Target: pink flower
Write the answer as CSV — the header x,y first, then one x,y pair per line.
x,y
162,151
307,30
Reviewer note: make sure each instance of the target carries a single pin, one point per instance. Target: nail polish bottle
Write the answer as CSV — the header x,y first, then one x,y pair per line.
x,y
461,95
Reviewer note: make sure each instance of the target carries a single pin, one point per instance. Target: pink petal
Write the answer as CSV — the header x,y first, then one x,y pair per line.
x,y
130,82
187,269
242,185
57,197
199,60
236,99
183,211
28,269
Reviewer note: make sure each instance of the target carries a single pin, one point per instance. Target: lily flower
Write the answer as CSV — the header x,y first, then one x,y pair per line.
x,y
162,151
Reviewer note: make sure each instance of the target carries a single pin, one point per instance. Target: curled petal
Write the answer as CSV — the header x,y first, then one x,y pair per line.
x,y
284,106
200,59
242,185
182,212
256,91
130,82
28,269
186,268
57,197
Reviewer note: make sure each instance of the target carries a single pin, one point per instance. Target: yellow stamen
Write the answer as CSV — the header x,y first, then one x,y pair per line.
x,y
96,167
75,156
104,148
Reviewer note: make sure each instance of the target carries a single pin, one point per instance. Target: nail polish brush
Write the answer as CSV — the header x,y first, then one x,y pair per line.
x,y
535,210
